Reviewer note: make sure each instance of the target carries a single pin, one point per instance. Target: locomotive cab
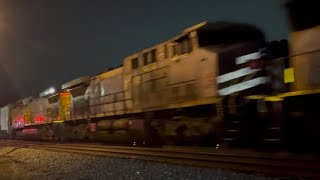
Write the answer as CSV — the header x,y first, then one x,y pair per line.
x,y
198,68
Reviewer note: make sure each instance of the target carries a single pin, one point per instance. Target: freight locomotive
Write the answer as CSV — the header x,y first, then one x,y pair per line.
x,y
170,92
213,84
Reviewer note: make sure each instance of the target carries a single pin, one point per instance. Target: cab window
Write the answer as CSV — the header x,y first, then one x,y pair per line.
x,y
150,57
182,46
135,63
166,52
145,58
153,55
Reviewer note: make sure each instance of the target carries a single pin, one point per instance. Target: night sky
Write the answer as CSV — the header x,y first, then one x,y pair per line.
x,y
45,43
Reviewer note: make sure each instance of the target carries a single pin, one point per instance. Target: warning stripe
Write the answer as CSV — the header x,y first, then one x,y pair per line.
x,y
243,86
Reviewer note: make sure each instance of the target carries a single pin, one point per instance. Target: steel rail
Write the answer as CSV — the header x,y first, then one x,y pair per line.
x,y
258,163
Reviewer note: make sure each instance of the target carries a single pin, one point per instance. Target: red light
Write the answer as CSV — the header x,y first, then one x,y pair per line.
x,y
256,64
39,119
20,120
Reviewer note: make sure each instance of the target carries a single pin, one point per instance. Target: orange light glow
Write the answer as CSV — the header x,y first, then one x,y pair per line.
x,y
65,94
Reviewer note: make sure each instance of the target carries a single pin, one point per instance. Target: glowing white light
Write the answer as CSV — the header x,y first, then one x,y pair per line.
x,y
51,90
48,92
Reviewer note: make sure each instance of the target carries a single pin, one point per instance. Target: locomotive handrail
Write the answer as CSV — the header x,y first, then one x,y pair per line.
x,y
297,93
296,55
106,95
109,103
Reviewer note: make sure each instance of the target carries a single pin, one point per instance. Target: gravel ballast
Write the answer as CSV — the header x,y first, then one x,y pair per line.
x,y
27,163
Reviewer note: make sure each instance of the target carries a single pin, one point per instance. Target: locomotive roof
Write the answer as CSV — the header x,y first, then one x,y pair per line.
x,y
221,30
226,32
219,26
75,82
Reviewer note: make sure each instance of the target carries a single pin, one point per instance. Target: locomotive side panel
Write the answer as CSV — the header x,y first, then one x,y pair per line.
x,y
146,78
39,113
106,94
208,63
112,95
192,77
65,104
5,119
149,88
305,49
18,115
182,71
174,74
17,118
79,103
53,108
80,108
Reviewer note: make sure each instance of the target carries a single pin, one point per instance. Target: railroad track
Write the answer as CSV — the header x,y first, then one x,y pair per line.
x,y
271,164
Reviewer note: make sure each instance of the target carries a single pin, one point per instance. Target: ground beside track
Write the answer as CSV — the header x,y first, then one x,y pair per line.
x,y
25,163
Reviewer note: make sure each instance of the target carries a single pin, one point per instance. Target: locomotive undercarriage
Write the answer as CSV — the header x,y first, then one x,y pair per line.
x,y
198,125
277,123
205,125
